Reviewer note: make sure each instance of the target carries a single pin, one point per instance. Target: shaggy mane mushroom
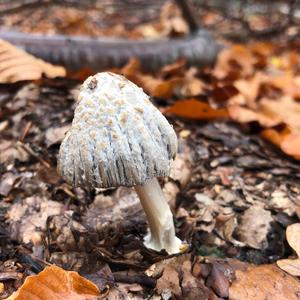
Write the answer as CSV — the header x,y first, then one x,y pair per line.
x,y
118,138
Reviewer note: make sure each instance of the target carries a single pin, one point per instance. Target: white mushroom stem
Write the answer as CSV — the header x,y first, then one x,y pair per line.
x,y
160,218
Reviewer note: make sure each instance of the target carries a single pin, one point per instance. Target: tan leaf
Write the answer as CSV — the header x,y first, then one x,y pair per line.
x,y
168,283
55,283
293,237
289,84
246,115
274,136
291,145
269,113
156,87
17,65
286,108
192,87
237,57
264,282
29,214
254,227
288,141
249,88
291,266
55,135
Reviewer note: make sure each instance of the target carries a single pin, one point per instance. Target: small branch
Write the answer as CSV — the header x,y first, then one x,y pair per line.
x,y
36,4
10,275
140,279
188,16
27,149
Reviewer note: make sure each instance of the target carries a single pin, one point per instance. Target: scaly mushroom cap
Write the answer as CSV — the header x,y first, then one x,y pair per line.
x,y
117,136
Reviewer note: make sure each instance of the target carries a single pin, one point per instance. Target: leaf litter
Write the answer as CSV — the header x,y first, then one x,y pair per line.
x,y
232,193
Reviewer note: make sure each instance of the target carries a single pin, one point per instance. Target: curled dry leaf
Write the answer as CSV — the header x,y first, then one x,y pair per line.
x,y
237,56
285,139
254,227
56,135
156,87
264,282
293,237
17,65
181,84
245,115
269,113
268,91
197,110
26,215
168,284
249,88
292,266
55,283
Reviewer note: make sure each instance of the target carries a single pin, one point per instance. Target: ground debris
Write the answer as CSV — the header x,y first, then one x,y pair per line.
x,y
232,193
29,216
254,227
264,282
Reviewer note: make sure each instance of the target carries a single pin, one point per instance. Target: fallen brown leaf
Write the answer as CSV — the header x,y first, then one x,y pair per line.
x,y
56,135
264,282
17,65
238,58
168,283
55,283
254,227
156,87
249,88
287,141
218,281
292,266
269,113
292,236
246,115
28,214
197,110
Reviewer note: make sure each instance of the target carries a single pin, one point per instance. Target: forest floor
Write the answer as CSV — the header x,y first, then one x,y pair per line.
x,y
234,186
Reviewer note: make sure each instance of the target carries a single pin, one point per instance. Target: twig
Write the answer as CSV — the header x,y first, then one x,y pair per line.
x,y
10,275
188,15
140,279
25,131
38,3
32,153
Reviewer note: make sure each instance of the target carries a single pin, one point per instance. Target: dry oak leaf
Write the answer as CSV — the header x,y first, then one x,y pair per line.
x,y
197,110
55,135
246,115
286,140
55,283
249,88
292,266
168,283
264,282
238,57
289,84
270,113
17,65
156,87
180,82
254,227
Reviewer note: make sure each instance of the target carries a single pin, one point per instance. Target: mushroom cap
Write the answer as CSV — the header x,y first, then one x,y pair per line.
x,y
117,136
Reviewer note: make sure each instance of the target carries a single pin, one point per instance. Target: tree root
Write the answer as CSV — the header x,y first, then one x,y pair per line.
x,y
75,53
